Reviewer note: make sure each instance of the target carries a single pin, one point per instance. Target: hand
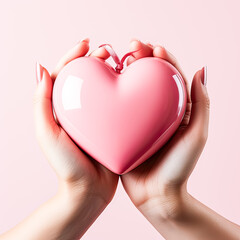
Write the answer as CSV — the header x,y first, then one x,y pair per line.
x,y
74,167
158,186
86,182
154,186
86,187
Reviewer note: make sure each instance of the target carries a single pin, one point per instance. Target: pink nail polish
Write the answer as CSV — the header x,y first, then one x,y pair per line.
x,y
204,76
39,72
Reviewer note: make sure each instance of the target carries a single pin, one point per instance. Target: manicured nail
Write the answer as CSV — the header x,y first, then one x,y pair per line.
x,y
159,48
84,40
160,45
134,39
148,43
204,76
39,72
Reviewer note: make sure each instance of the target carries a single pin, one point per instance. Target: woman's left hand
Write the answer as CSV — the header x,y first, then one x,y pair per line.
x,y
73,167
85,185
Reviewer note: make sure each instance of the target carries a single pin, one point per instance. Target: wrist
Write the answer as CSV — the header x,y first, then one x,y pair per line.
x,y
66,216
79,209
167,205
184,217
79,195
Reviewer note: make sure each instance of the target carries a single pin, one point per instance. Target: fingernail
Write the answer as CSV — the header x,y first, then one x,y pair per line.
x,y
159,47
204,76
39,72
149,43
134,39
84,40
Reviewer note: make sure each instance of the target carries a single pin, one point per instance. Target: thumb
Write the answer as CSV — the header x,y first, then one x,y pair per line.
x,y
45,124
199,119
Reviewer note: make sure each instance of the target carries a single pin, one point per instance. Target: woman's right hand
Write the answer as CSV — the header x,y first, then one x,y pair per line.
x,y
158,187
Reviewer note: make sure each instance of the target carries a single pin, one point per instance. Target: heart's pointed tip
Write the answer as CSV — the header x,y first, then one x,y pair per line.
x,y
119,166
117,170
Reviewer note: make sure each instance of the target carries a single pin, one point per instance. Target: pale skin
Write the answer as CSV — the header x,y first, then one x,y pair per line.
x,y
85,186
158,187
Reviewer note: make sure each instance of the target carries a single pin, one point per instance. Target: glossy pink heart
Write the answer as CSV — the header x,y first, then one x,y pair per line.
x,y
120,119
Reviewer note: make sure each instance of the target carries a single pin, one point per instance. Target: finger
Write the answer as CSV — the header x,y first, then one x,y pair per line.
x,y
199,119
143,50
161,52
45,124
100,53
190,143
59,149
150,45
77,51
130,60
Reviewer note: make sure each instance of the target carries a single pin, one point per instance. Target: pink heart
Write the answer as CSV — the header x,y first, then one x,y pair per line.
x,y
120,119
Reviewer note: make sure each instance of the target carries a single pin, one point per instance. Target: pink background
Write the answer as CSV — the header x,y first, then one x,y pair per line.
x,y
197,32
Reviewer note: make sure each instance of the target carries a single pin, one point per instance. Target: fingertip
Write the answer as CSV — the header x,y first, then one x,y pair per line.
x,y
130,60
79,50
198,90
82,49
149,44
204,75
142,49
45,85
43,111
135,44
100,53
200,107
87,40
134,39
159,51
39,71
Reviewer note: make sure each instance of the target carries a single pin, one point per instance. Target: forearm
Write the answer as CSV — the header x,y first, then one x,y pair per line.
x,y
63,217
190,219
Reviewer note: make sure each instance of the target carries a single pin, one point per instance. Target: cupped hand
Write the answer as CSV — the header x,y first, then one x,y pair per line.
x,y
156,185
75,169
